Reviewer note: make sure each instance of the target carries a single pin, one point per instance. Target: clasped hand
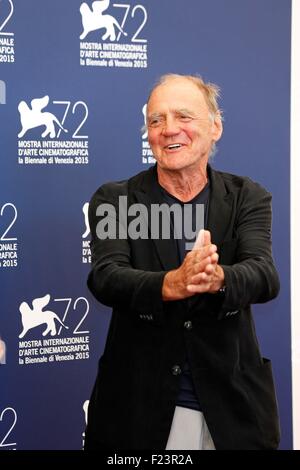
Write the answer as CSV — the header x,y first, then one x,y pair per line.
x,y
199,273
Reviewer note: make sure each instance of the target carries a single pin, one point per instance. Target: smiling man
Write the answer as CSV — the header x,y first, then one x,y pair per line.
x,y
183,124
182,367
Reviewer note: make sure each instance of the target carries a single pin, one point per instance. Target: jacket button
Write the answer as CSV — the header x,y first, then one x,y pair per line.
x,y
176,370
188,325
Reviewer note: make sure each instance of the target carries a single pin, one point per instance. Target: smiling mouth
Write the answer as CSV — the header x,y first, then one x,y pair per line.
x,y
173,146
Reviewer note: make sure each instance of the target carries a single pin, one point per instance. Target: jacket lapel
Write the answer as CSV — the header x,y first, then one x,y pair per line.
x,y
148,194
220,208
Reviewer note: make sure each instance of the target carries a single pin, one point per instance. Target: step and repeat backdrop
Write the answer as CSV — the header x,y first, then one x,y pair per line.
x,y
74,79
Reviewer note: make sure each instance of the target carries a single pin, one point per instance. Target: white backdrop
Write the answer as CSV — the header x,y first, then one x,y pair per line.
x,y
295,219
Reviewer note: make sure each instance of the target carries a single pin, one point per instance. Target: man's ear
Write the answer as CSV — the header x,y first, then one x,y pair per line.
x,y
217,127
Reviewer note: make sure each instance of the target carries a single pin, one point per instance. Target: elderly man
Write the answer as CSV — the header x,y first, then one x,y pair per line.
x,y
182,367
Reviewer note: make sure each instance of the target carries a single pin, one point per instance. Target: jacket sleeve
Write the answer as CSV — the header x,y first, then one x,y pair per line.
x,y
253,277
113,280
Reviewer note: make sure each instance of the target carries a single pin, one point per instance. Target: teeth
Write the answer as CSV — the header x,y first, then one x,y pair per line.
x,y
174,146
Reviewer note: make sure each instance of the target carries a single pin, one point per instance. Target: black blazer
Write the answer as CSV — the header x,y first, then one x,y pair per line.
x,y
135,393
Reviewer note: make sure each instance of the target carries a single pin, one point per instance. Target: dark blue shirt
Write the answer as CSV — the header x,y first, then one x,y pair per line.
x,y
187,397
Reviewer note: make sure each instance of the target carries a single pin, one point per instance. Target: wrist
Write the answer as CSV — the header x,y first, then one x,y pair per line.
x,y
170,290
218,285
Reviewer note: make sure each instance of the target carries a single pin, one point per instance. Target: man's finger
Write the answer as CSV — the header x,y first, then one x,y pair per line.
x,y
203,239
199,241
206,237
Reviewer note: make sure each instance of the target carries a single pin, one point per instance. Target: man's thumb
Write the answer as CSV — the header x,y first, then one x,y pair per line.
x,y
203,239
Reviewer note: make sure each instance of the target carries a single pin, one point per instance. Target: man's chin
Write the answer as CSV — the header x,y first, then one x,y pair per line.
x,y
173,164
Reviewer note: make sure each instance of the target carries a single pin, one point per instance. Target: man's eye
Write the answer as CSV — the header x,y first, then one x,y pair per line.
x,y
185,118
154,122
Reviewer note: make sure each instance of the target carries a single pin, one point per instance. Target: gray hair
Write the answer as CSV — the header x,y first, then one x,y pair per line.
x,y
211,91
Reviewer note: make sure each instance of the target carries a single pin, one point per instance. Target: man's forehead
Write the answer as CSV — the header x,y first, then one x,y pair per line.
x,y
176,91
161,111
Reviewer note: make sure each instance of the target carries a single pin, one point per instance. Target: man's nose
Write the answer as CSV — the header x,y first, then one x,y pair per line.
x,y
170,127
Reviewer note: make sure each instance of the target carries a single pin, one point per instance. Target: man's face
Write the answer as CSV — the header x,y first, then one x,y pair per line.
x,y
181,130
